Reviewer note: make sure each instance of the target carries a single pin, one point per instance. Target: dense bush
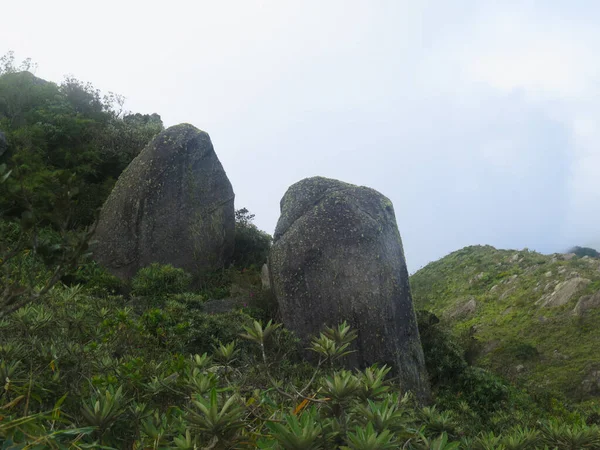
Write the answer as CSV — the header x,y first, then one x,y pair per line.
x,y
251,244
158,280
444,358
585,251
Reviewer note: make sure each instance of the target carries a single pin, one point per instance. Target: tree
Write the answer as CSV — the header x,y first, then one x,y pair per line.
x,y
585,251
251,244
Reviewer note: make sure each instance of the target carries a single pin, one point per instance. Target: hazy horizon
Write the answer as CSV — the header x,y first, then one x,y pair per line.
x,y
480,121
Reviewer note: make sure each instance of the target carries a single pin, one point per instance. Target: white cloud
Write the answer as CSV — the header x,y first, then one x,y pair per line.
x,y
478,119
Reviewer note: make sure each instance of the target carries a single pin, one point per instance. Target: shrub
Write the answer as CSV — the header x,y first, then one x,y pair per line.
x,y
585,251
521,350
443,355
251,244
96,279
157,280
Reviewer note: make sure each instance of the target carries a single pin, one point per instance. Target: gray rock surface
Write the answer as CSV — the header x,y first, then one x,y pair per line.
x,y
337,255
464,309
563,292
173,204
586,303
265,278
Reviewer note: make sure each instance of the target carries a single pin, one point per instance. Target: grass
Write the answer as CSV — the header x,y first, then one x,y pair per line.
x,y
506,285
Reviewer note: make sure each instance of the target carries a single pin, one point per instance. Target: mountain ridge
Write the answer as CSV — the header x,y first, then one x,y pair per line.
x,y
528,317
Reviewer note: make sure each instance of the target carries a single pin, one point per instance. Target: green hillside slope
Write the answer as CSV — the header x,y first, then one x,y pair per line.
x,y
533,318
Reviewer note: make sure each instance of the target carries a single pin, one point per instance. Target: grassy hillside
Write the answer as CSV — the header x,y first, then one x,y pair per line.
x,y
532,318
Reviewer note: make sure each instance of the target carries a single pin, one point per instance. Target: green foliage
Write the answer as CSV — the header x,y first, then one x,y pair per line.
x,y
510,331
251,244
303,433
221,420
571,437
159,280
369,439
444,357
64,139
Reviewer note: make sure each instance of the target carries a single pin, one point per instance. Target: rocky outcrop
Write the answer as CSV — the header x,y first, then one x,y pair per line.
x,y
172,205
337,256
563,292
463,310
586,303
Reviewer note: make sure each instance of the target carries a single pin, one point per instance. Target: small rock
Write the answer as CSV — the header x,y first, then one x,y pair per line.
x,y
465,309
591,385
568,256
520,368
514,258
490,346
559,355
548,274
264,277
507,293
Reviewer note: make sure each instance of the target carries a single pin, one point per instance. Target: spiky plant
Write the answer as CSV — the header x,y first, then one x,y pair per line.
x,y
220,419
299,433
368,438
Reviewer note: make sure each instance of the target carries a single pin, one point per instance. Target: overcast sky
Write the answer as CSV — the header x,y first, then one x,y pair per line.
x,y
479,120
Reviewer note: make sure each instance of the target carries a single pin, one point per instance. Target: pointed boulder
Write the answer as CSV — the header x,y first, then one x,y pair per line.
x,y
172,205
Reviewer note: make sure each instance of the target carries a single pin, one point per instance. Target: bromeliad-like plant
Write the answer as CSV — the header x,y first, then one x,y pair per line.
x,y
299,433
260,335
520,439
438,421
367,438
333,342
220,419
382,415
104,408
372,381
570,437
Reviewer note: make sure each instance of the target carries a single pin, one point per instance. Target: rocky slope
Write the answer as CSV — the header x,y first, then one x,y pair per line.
x,y
530,317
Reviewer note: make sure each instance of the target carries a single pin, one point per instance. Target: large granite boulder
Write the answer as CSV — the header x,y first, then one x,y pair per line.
x,y
172,205
337,255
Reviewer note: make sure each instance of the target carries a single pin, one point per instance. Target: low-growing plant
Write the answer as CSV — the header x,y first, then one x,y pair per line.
x,y
159,280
